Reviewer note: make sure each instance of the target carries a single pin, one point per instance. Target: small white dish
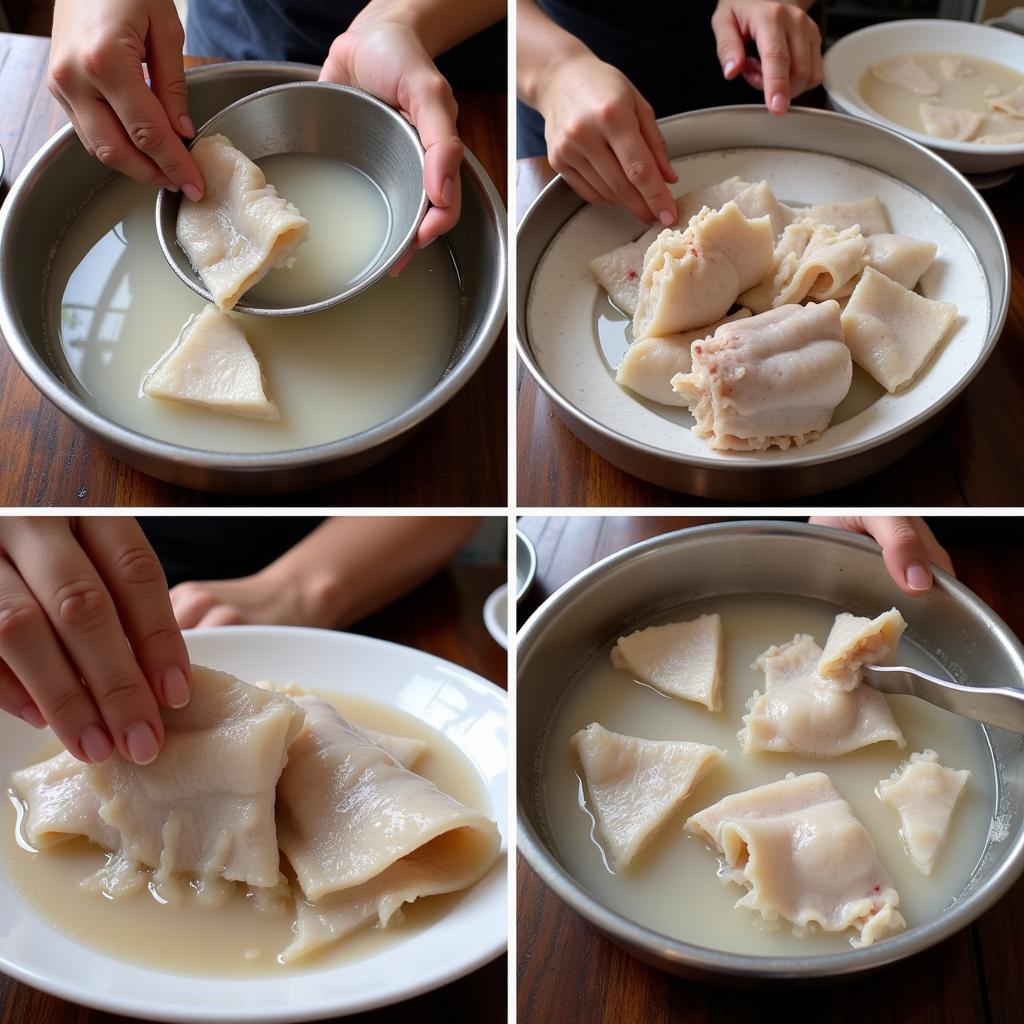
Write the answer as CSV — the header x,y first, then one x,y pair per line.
x,y
496,615
849,59
467,709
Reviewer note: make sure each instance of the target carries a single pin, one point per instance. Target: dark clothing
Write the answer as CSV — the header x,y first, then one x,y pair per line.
x,y
303,30
222,547
667,50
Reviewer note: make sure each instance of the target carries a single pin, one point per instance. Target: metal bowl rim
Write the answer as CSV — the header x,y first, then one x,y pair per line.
x,y
111,432
523,543
165,196
796,461
718,962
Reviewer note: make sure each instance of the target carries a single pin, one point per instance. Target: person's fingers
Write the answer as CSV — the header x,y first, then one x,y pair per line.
x,y
17,701
32,653
167,73
582,187
606,162
81,611
567,155
817,65
728,43
936,553
752,74
801,65
656,142
133,575
190,602
773,52
439,220
104,138
406,258
222,615
903,550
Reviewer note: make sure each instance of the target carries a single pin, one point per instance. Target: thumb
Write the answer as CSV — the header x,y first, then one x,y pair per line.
x,y
904,550
167,73
729,45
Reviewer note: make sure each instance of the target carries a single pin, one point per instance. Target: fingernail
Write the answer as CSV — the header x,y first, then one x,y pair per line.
x,y
176,691
141,743
730,67
95,744
918,576
185,124
192,192
446,191
31,714
666,218
779,103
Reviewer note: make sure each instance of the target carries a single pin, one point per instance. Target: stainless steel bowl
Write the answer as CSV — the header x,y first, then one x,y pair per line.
x,y
799,471
62,178
578,620
329,120
526,565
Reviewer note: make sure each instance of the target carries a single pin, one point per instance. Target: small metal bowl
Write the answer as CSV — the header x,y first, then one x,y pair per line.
x,y
833,566
329,120
526,565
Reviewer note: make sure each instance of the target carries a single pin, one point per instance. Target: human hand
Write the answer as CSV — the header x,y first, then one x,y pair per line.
x,y
88,642
602,137
95,74
788,46
907,544
388,60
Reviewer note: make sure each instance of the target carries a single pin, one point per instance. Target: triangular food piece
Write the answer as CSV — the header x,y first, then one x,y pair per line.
x,y
923,793
635,784
404,749
681,659
856,641
801,853
211,364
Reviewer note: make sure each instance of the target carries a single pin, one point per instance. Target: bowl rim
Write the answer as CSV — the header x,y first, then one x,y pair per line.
x,y
854,105
165,197
635,936
568,410
112,433
525,546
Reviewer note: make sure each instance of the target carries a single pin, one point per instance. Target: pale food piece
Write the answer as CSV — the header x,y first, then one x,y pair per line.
x,y
855,641
773,379
923,793
892,331
802,855
949,123
692,278
241,229
60,804
649,365
681,659
365,835
868,214
212,364
900,258
618,273
635,784
1006,139
801,713
205,806
907,74
1012,103
404,749
954,68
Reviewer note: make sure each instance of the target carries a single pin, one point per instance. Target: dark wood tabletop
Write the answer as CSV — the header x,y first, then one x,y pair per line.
x,y
444,617
458,459
567,971
968,460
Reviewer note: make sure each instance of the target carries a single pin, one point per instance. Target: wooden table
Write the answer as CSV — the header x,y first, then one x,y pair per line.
x,y
569,972
965,462
444,617
458,458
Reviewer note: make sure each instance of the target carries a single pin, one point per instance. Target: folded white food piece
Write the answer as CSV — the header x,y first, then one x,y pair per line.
x,y
211,364
205,806
948,122
802,713
649,365
892,331
241,229
692,277
902,259
802,855
923,793
365,835
1006,139
635,784
681,659
1012,103
772,379
907,74
404,749
954,68
868,214
855,641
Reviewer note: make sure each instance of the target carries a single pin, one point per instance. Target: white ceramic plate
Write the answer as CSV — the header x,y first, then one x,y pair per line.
x,y
496,615
562,313
470,711
847,61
